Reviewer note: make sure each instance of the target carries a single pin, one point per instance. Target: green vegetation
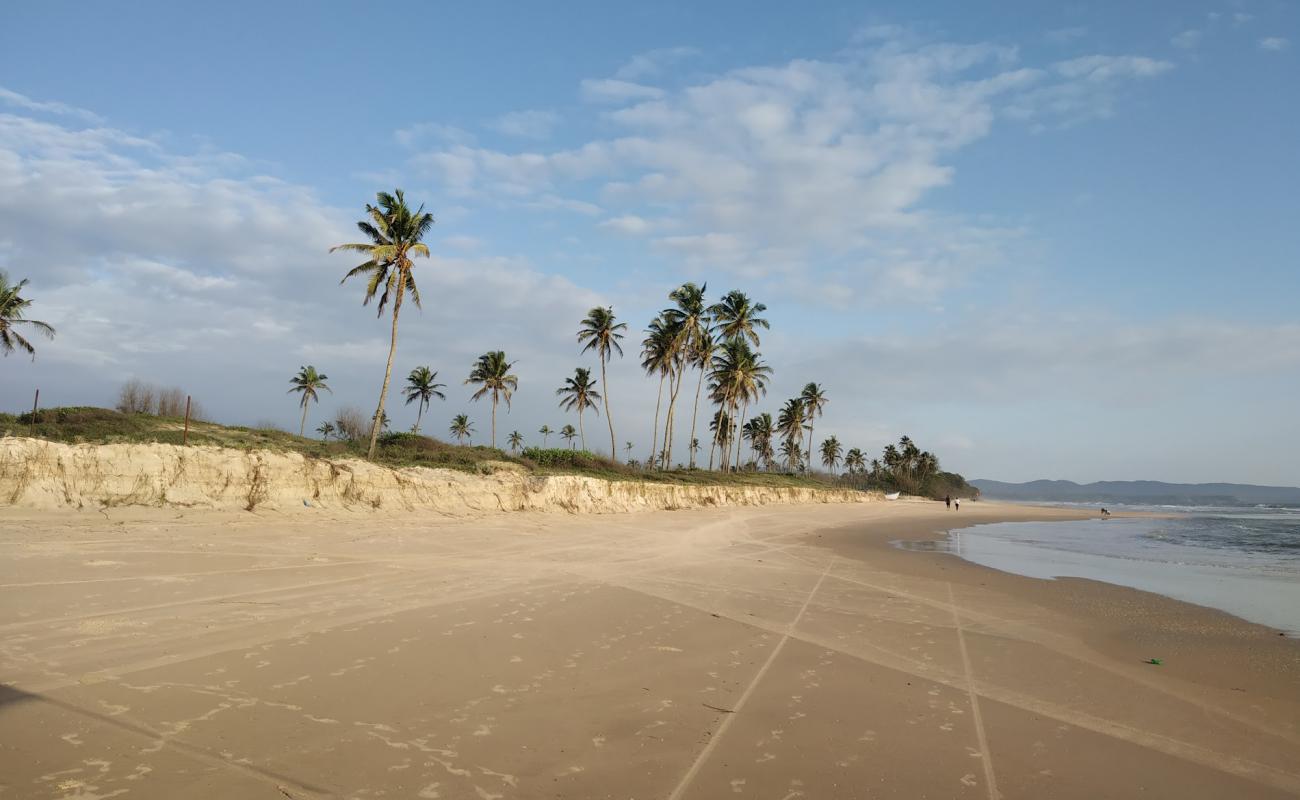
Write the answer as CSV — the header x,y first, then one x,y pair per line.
x,y
13,312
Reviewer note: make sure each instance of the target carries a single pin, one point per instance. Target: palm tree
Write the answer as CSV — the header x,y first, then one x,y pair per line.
x,y
601,333
13,308
688,319
759,432
701,357
461,428
789,423
831,453
395,233
579,392
515,440
545,431
854,461
568,434
308,381
814,400
326,429
736,316
721,425
628,448
656,356
492,374
422,385
738,377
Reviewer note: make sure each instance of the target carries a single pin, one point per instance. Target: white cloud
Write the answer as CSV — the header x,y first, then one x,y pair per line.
x,y
1274,43
1065,35
1241,18
653,62
1105,68
11,98
629,224
1187,39
527,124
610,90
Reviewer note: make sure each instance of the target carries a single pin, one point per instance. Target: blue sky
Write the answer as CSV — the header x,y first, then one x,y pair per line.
x,y
1046,241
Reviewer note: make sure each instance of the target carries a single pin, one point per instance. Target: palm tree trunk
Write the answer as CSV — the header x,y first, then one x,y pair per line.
x,y
419,415
388,370
740,433
654,434
810,442
302,429
494,420
613,447
699,385
582,431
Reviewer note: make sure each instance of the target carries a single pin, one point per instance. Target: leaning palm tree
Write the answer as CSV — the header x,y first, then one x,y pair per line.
x,y
13,309
422,386
688,318
736,316
515,440
308,382
545,431
701,357
831,451
325,429
395,233
814,400
461,428
492,374
600,332
568,434
579,392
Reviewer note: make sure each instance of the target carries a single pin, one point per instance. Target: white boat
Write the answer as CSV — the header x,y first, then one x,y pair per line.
x,y
892,495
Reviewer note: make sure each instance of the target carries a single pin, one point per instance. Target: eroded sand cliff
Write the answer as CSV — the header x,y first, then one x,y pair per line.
x,y
38,474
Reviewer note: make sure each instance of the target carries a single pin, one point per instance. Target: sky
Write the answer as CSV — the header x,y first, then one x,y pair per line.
x,y
1046,240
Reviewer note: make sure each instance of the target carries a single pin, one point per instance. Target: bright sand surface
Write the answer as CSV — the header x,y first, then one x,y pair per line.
x,y
774,652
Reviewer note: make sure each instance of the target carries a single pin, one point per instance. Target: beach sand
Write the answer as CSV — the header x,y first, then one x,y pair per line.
x,y
775,652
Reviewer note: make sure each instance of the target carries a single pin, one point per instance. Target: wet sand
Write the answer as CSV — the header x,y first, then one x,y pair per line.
x,y
784,652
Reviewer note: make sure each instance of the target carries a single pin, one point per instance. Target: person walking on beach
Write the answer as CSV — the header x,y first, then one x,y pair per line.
x,y
957,503
947,501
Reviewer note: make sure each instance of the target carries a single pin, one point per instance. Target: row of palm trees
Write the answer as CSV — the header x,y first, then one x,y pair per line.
x,y
716,341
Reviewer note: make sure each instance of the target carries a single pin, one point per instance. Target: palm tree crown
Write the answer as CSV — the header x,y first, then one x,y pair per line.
x,y
831,452
568,434
395,233
422,386
736,316
545,431
13,309
814,400
461,427
492,374
515,440
308,382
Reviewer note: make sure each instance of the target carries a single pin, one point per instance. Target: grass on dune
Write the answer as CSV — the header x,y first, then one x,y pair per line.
x,y
106,426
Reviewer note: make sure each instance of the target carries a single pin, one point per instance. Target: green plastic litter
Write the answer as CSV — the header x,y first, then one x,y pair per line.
x,y
1155,661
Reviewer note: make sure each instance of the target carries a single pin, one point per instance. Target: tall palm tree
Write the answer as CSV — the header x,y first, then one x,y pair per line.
x,y
545,431
492,374
736,316
325,429
600,332
701,357
814,400
461,428
739,376
308,382
579,392
13,310
722,426
854,461
568,434
515,440
395,233
831,451
688,318
656,356
422,385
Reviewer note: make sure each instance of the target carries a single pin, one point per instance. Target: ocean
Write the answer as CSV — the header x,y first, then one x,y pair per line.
x,y
1245,561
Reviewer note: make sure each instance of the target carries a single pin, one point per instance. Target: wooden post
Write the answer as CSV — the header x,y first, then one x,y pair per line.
x,y
31,430
185,439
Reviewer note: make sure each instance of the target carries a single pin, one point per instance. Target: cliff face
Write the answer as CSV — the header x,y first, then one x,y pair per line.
x,y
38,474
